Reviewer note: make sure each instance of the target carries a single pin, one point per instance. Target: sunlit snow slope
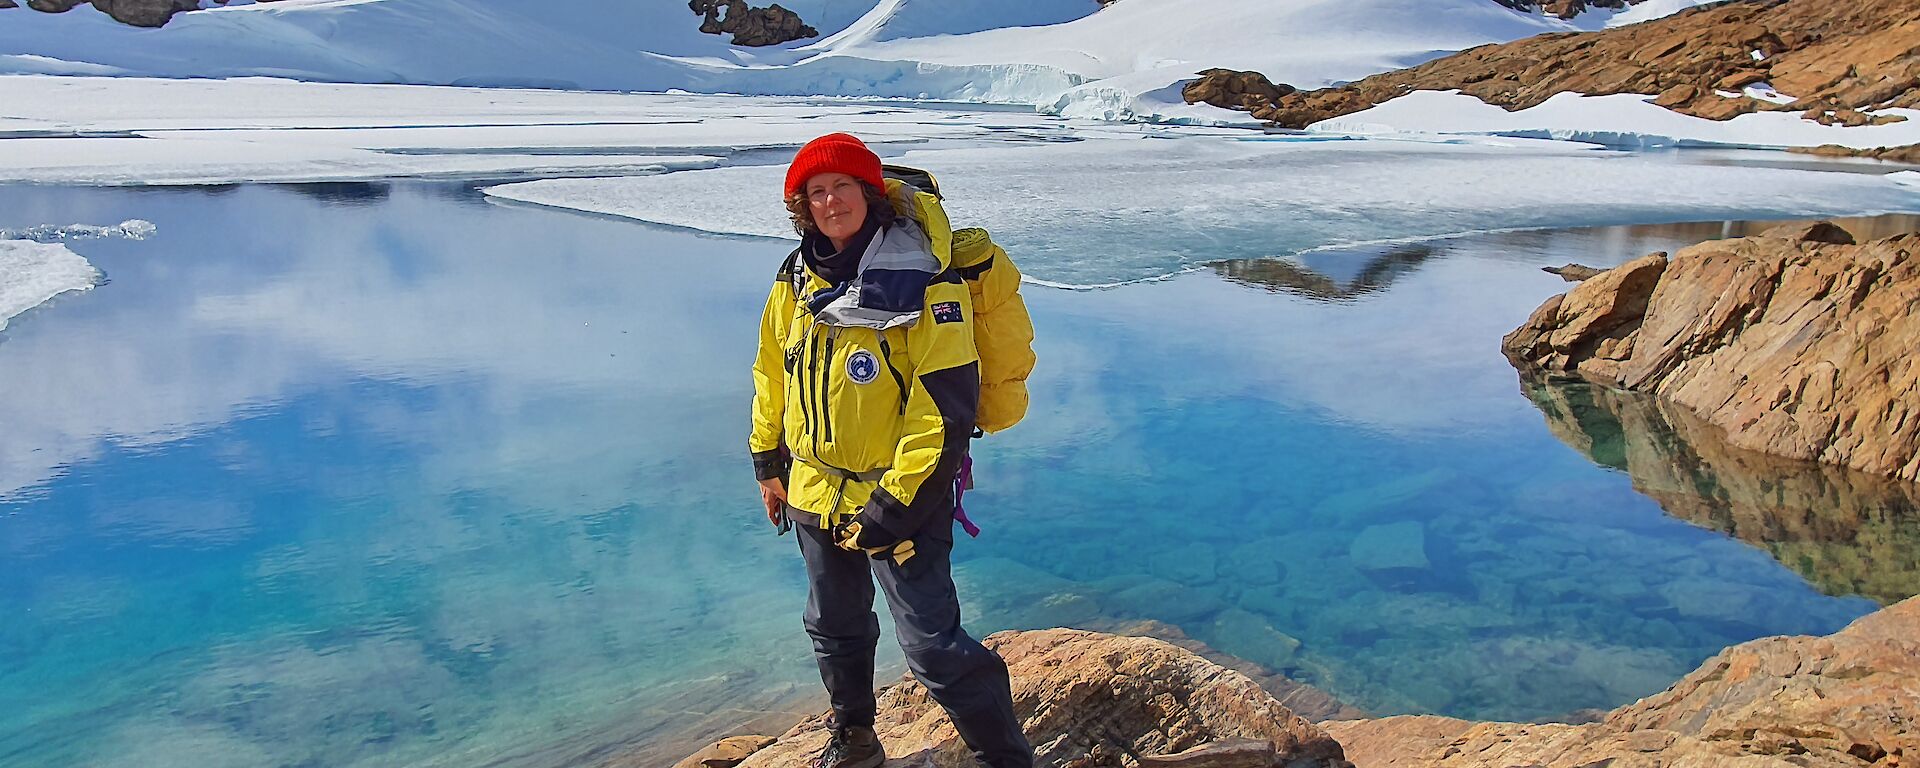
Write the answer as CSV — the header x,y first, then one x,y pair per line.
x,y
1064,55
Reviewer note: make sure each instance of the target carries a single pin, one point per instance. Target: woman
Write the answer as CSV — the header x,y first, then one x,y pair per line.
x,y
865,390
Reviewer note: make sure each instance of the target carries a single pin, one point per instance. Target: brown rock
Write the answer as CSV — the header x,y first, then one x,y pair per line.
x,y
144,13
725,753
8,4
1858,55
1677,95
1573,273
1088,699
1739,80
139,13
1800,347
1233,89
749,26
1842,701
1563,334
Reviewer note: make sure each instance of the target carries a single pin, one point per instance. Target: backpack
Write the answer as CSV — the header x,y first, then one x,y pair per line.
x,y
1002,329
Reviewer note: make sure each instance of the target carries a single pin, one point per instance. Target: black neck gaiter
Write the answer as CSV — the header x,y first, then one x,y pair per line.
x,y
837,267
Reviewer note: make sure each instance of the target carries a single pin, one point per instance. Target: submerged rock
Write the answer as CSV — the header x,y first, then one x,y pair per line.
x,y
1796,343
1843,700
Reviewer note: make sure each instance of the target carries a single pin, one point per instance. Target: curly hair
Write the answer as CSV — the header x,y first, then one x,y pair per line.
x,y
879,208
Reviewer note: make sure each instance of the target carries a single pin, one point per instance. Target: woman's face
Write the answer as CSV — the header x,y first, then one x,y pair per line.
x,y
838,205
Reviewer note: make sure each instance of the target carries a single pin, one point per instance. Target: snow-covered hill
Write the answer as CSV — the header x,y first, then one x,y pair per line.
x,y
1063,55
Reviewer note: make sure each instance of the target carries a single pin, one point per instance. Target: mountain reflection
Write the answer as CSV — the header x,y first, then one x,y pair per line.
x,y
1367,269
1847,532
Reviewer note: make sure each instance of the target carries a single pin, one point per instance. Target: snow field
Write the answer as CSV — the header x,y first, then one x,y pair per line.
x,y
1056,54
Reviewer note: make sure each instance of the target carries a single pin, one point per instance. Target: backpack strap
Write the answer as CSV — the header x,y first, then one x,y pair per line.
x,y
791,274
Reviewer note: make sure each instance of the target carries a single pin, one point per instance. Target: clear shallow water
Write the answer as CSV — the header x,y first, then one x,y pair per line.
x,y
382,475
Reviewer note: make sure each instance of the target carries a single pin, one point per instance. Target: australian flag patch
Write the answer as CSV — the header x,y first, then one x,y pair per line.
x,y
947,312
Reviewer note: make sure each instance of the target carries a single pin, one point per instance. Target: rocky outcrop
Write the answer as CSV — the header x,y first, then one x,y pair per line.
x,y
139,13
1846,701
1234,89
1797,343
1907,154
1846,532
1834,59
771,25
1088,699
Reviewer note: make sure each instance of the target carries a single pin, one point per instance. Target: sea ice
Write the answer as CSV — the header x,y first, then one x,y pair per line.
x,y
1115,209
31,273
131,229
1624,120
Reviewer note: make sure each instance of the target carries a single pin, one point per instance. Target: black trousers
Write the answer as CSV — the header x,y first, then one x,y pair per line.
x,y
964,677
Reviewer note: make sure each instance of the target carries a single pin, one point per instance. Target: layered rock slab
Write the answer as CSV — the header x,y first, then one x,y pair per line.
x,y
1087,699
1797,343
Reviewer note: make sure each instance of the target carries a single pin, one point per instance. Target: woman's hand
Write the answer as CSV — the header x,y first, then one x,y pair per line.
x,y
773,493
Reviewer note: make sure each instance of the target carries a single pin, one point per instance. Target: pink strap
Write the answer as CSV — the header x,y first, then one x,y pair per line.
x,y
961,482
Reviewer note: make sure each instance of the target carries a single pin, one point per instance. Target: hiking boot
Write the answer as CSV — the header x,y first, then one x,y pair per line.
x,y
851,747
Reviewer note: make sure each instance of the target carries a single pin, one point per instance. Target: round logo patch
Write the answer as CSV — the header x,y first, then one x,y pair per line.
x,y
861,367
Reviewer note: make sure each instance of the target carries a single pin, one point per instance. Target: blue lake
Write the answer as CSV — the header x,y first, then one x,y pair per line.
x,y
390,475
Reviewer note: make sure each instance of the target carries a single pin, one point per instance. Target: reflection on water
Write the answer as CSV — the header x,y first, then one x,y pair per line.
x,y
1377,268
402,478
1847,532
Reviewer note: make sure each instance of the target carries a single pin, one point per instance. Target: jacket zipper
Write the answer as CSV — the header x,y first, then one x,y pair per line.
x,y
826,376
804,363
886,353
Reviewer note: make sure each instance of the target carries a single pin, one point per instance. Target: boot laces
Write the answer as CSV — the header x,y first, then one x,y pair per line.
x,y
836,749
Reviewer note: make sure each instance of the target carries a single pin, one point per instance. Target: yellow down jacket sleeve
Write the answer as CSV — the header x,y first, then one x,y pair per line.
x,y
770,385
942,400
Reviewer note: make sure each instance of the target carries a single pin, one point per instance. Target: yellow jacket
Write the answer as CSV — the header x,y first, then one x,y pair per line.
x,y
871,390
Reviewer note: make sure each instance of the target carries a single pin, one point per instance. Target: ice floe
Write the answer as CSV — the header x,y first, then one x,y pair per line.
x,y
131,229
33,272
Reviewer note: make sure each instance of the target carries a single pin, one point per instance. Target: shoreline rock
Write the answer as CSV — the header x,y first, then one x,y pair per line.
x,y
1797,343
1090,699
1909,154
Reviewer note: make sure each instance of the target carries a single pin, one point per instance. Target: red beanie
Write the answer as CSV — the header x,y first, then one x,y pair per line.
x,y
834,153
